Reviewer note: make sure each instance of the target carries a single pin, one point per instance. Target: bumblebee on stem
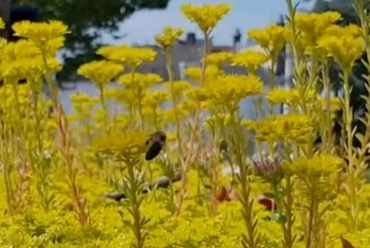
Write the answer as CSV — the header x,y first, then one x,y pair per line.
x,y
155,144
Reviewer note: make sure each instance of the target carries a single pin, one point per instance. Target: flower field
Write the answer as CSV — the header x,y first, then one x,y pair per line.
x,y
156,178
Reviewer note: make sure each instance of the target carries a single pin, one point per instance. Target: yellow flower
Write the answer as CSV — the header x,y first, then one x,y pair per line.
x,y
28,68
190,107
219,58
217,121
312,25
168,37
124,145
125,96
40,33
250,59
335,30
19,50
335,103
177,88
234,87
195,73
318,165
228,89
82,101
271,38
100,72
289,128
140,80
289,96
294,127
2,23
249,124
345,49
200,94
155,98
132,56
205,16
171,114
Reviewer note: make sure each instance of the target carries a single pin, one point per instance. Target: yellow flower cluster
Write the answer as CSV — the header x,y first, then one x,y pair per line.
x,y
311,33
177,88
271,39
168,37
335,103
228,89
123,145
43,33
289,128
291,97
219,58
318,165
195,73
22,60
83,104
217,121
345,47
140,80
250,59
155,98
35,56
205,16
131,56
100,72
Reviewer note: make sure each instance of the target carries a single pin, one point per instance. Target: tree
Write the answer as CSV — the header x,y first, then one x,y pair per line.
x,y
87,19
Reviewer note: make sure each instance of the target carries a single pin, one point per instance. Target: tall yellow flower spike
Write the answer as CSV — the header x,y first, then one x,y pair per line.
x,y
205,16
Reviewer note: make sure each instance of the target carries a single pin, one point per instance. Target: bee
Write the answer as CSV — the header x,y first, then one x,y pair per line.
x,y
155,144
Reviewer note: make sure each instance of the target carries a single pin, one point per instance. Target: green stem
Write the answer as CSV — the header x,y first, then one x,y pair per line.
x,y
288,227
42,172
22,150
311,221
194,131
251,240
135,205
350,153
104,105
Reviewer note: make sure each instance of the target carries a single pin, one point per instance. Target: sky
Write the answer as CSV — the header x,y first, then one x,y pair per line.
x,y
142,26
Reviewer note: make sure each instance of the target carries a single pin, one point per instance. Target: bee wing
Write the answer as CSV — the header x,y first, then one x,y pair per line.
x,y
149,140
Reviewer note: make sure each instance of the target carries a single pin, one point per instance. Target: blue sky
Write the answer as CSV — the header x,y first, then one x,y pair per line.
x,y
245,15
